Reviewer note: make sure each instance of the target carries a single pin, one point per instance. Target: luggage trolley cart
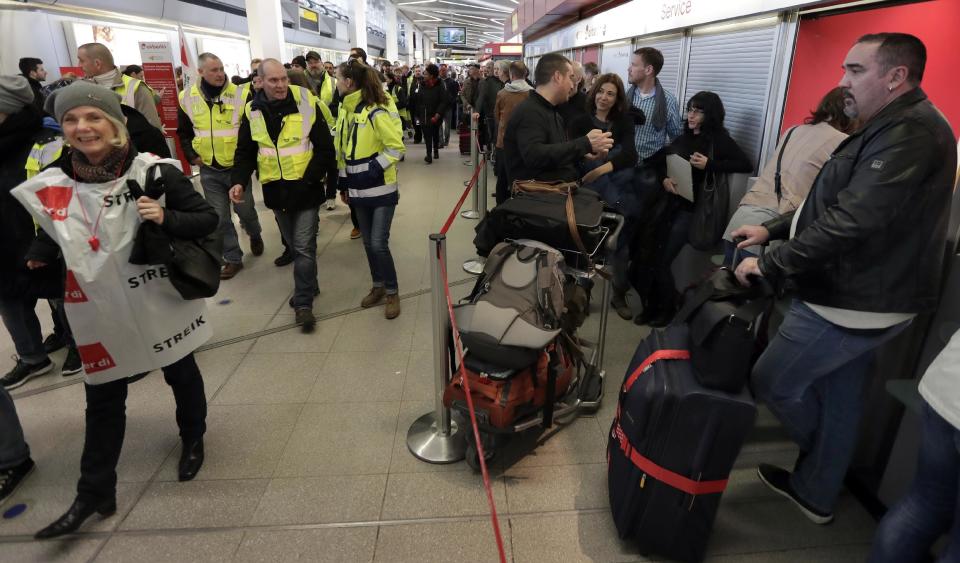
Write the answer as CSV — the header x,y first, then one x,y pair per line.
x,y
585,391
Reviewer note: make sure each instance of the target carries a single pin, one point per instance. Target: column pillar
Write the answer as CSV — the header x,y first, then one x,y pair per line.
x,y
358,24
265,26
393,33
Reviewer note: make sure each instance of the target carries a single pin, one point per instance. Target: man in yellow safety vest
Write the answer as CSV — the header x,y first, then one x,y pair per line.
x,y
321,83
284,137
208,124
97,64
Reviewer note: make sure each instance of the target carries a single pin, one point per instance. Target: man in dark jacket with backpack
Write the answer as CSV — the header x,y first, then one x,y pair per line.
x,y
535,143
865,256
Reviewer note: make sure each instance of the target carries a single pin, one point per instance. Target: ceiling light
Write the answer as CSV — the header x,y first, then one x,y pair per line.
x,y
416,2
475,7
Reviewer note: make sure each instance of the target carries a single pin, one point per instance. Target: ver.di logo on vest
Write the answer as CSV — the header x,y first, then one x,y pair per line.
x,y
72,293
55,200
95,358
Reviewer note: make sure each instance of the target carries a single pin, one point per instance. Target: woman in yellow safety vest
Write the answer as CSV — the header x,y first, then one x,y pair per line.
x,y
369,145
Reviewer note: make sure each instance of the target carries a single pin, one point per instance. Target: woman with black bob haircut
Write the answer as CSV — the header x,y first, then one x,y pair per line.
x,y
611,175
711,150
369,143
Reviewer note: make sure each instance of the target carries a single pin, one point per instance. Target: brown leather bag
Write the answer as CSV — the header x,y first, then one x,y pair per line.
x,y
561,189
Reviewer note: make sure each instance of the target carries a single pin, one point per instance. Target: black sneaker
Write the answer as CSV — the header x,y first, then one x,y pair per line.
x,y
53,343
778,480
11,478
22,373
283,259
305,319
72,364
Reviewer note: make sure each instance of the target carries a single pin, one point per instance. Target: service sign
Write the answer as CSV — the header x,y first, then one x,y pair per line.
x,y
645,17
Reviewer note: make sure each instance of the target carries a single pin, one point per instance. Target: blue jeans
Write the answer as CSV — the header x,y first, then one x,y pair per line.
x,y
13,448
811,377
375,227
299,230
216,190
20,319
911,527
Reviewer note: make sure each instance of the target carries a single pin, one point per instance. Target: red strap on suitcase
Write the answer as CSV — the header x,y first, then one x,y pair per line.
x,y
663,474
659,473
656,356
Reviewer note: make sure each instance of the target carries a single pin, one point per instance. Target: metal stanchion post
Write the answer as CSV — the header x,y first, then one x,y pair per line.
x,y
435,437
475,265
604,315
474,162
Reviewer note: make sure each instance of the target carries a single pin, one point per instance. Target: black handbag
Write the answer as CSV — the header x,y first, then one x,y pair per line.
x,y
710,210
723,318
193,265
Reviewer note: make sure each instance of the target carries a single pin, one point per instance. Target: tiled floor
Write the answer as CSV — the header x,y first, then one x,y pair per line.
x,y
306,447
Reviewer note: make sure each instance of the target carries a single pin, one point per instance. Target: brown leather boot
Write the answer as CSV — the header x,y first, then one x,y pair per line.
x,y
373,298
229,270
392,309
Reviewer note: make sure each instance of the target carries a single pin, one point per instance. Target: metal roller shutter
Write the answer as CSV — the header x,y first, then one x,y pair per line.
x,y
736,66
671,48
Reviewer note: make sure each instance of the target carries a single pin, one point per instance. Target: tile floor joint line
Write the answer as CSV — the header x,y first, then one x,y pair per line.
x,y
299,527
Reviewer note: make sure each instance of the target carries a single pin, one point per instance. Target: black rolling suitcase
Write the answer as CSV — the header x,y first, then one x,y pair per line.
x,y
671,448
464,133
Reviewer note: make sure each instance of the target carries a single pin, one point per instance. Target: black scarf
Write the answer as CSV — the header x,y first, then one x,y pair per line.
x,y
659,118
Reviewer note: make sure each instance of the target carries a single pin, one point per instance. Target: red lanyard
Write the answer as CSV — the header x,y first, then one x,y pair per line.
x,y
94,241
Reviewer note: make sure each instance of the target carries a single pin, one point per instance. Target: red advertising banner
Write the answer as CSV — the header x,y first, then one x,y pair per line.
x,y
158,73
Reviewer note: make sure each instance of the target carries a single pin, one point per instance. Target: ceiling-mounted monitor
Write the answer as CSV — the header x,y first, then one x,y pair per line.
x,y
451,35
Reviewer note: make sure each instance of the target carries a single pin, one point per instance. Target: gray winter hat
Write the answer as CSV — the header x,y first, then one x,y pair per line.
x,y
15,93
83,93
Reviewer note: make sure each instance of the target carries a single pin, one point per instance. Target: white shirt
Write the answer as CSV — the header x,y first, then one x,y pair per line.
x,y
940,385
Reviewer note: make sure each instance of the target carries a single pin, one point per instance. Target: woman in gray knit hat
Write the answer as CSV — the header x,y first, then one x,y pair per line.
x,y
127,319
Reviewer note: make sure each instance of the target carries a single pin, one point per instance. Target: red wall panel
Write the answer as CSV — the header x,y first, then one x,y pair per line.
x,y
822,44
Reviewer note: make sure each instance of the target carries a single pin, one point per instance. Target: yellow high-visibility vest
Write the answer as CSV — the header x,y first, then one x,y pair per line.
x,y
128,90
217,125
289,157
43,154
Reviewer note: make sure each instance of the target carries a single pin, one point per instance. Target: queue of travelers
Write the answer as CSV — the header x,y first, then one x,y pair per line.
x,y
847,211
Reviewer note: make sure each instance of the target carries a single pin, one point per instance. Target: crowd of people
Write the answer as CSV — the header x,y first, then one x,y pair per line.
x,y
852,211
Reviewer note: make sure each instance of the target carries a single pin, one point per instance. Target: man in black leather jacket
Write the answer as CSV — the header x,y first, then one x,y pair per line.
x,y
865,255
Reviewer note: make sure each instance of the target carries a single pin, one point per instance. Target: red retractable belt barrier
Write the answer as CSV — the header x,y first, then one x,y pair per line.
x,y
658,472
459,349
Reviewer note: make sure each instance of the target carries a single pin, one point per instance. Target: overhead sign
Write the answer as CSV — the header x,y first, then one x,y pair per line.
x,y
645,17
309,20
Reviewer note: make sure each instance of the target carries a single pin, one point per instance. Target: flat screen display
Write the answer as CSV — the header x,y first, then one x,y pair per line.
x,y
451,35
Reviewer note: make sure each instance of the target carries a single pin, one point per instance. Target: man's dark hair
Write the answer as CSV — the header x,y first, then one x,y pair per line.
x,y
548,65
360,53
518,70
712,108
652,57
433,70
300,61
29,64
900,49
130,69
591,68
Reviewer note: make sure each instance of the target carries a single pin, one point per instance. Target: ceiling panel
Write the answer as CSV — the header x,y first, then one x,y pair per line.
x,y
484,19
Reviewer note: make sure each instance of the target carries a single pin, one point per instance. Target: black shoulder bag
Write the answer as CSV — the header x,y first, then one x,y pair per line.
x,y
710,210
192,264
